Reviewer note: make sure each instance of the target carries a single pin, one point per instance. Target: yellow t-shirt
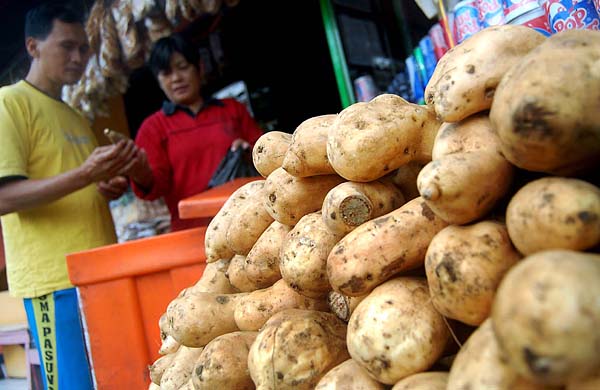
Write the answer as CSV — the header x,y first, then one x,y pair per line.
x,y
41,137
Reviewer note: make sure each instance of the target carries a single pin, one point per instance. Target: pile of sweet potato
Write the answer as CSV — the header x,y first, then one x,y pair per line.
x,y
447,246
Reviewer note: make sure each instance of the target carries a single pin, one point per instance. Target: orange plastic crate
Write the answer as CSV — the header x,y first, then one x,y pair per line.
x,y
124,289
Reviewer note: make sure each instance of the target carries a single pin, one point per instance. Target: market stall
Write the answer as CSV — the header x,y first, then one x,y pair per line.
x,y
438,228
443,246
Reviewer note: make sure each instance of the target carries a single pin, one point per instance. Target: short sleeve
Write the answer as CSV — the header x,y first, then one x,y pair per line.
x,y
14,145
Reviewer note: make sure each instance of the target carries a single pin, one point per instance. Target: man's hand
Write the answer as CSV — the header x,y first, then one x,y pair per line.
x,y
102,165
239,143
106,162
113,188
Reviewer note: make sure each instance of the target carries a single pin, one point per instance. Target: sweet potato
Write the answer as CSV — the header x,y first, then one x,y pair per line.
x,y
546,316
434,380
369,140
214,279
168,345
465,265
269,151
466,77
252,311
307,154
159,366
163,325
289,198
395,331
223,364
342,305
546,111
381,248
468,174
554,213
196,319
592,383
250,221
351,204
180,371
480,365
215,240
262,262
405,179
315,342
303,262
236,273
348,376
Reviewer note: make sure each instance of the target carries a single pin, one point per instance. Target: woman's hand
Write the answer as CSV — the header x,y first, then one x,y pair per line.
x,y
239,143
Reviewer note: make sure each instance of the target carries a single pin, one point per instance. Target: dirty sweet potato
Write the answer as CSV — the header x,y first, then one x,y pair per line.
x,y
215,240
348,375
289,198
269,151
315,342
396,332
465,265
480,365
466,77
546,316
223,363
303,262
554,213
351,204
307,154
546,111
252,311
196,319
262,262
370,140
468,174
382,248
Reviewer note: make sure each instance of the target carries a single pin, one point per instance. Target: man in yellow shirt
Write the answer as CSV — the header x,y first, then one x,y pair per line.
x,y
54,181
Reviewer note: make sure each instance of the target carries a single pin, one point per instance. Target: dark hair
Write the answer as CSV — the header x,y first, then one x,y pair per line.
x,y
163,49
39,20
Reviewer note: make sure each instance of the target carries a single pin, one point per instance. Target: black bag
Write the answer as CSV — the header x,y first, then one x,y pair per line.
x,y
234,164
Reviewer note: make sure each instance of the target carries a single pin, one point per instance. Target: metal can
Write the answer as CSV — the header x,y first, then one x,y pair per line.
x,y
572,15
466,19
491,12
515,8
440,46
365,88
536,19
418,88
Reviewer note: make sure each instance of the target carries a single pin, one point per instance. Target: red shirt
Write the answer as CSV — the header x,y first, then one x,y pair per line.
x,y
185,149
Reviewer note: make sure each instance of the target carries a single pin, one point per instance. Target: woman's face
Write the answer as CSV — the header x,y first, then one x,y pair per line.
x,y
181,82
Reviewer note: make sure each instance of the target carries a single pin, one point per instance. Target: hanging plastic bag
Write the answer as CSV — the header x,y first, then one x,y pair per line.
x,y
234,164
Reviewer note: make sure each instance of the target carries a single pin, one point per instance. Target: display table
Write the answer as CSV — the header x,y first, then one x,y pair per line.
x,y
208,203
125,288
123,291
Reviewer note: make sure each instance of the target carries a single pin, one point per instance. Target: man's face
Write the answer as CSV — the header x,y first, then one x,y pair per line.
x,y
64,54
181,82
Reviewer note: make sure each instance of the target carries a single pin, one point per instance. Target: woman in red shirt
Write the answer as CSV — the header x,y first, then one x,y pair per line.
x,y
183,143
